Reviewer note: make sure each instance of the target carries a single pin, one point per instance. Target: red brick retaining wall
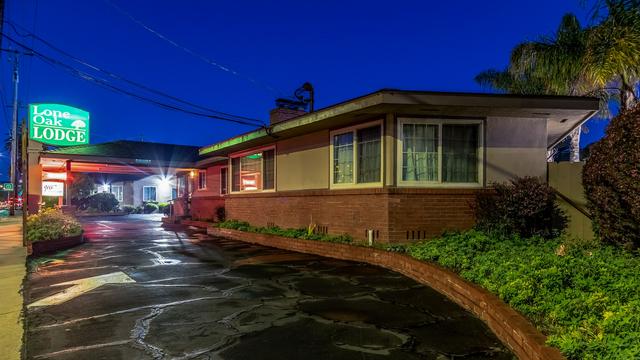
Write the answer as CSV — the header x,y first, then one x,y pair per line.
x,y
395,214
204,208
510,327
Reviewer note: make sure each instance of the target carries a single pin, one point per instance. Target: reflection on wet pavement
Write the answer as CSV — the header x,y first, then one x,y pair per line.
x,y
197,297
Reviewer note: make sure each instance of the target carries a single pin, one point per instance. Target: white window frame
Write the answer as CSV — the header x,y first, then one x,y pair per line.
x,y
202,173
440,183
156,192
250,152
121,198
227,179
354,130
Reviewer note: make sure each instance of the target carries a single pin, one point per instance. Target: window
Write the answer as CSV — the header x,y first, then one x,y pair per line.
x,y
253,172
181,186
202,179
356,156
223,180
117,191
439,152
174,193
149,193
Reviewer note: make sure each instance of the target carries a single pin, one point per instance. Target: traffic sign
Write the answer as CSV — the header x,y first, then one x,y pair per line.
x,y
7,187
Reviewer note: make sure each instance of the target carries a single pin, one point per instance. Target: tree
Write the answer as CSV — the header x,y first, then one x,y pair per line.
x,y
601,60
611,178
80,188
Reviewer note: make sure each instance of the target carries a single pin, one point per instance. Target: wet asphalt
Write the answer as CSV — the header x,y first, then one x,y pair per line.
x,y
181,294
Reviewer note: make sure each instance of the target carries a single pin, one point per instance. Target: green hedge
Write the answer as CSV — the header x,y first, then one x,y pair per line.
x,y
307,234
585,297
51,224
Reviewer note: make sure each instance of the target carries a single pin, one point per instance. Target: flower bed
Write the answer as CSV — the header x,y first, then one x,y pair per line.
x,y
51,230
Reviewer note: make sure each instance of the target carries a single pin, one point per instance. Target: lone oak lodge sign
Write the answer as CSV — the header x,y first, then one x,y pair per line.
x,y
57,124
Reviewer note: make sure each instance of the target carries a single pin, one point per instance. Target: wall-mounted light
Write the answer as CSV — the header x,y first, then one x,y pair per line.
x,y
165,181
192,174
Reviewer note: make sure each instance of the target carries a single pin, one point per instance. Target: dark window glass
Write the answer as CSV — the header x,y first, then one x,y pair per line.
x,y
460,153
369,156
202,179
235,171
268,163
223,180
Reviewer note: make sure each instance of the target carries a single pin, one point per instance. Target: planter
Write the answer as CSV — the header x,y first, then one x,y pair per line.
x,y
513,329
45,247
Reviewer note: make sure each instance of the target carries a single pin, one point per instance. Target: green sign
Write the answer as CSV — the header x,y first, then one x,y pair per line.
x,y
57,124
7,187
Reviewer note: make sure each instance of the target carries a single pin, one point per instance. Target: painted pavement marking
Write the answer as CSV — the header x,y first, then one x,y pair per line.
x,y
81,286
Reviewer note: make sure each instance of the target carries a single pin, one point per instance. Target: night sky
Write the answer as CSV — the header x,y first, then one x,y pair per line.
x,y
344,48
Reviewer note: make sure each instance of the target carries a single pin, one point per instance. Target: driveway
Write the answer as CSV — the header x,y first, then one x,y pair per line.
x,y
138,291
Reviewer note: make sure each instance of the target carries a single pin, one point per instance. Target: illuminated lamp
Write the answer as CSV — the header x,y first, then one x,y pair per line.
x,y
192,174
164,182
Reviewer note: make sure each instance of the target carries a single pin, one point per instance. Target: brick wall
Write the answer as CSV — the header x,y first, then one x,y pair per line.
x,y
515,331
396,215
204,208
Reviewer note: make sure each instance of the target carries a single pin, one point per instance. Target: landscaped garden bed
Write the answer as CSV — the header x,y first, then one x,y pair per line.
x,y
51,230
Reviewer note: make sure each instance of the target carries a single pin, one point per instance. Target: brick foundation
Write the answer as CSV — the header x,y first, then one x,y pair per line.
x,y
204,208
395,214
515,331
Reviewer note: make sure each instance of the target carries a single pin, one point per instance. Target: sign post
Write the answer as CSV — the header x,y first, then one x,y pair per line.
x,y
57,124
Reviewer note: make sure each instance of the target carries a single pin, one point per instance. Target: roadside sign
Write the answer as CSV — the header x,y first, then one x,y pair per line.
x,y
7,187
52,188
57,124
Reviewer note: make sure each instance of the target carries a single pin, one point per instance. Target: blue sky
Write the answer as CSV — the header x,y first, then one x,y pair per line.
x,y
345,48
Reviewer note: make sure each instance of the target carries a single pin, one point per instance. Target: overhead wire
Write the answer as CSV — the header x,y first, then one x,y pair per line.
x,y
122,78
106,84
192,52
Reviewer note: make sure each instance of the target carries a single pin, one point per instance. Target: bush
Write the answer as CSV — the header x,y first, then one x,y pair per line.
x,y
101,202
129,209
163,208
149,208
611,178
51,224
291,233
525,206
221,213
587,301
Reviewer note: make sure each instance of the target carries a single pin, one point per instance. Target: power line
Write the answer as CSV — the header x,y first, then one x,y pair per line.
x,y
191,52
105,83
122,78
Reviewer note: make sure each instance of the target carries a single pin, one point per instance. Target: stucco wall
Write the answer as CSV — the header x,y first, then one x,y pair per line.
x,y
303,162
566,178
163,190
515,147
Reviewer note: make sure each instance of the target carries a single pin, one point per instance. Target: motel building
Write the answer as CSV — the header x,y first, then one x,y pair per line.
x,y
391,166
134,172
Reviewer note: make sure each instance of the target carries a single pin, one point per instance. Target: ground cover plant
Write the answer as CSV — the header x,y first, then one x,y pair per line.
x,y
307,234
584,296
51,224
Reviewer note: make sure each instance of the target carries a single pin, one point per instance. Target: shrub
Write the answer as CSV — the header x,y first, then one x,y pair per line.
x,y
163,208
292,233
221,213
525,206
587,301
611,178
129,209
149,208
51,224
102,202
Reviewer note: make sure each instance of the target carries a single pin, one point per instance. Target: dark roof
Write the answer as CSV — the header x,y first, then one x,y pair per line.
x,y
135,150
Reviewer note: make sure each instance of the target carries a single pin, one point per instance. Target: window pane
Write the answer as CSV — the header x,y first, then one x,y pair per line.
x,y
343,158
268,159
419,152
235,178
223,180
202,179
369,157
460,153
149,193
251,172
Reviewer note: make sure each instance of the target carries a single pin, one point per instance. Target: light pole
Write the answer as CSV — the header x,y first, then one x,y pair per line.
x,y
14,135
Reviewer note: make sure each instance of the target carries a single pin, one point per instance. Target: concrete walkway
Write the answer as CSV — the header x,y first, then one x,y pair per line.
x,y
12,273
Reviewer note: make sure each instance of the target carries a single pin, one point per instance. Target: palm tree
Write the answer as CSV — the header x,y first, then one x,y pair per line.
x,y
602,60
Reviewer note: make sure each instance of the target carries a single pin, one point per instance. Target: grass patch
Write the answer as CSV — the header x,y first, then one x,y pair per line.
x,y
307,234
584,296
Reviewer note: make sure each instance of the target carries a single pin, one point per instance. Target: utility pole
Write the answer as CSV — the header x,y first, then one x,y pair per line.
x,y
14,136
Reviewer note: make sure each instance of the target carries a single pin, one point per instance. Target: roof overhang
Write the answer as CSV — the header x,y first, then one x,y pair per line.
x,y
58,157
563,114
